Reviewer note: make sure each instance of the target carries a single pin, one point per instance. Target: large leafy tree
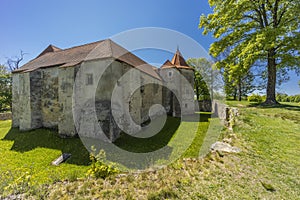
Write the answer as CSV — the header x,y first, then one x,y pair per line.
x,y
207,79
5,88
240,86
265,31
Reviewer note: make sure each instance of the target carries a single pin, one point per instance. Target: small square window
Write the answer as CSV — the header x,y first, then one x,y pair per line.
x,y
89,79
142,89
170,74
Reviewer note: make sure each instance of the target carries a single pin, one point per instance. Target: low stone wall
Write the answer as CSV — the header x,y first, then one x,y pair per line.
x,y
204,105
226,114
5,116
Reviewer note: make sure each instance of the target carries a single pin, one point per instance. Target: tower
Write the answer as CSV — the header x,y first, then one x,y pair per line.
x,y
177,75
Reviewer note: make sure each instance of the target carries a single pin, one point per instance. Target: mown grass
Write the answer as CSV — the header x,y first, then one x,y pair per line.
x,y
267,167
26,156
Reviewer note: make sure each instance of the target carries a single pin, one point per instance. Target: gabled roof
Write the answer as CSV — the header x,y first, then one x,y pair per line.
x,y
167,64
53,57
49,49
178,59
177,62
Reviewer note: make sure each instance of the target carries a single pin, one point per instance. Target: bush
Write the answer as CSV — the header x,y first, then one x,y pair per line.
x,y
297,98
98,167
255,98
281,97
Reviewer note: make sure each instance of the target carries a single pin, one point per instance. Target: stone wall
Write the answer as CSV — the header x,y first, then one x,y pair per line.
x,y
66,127
50,108
225,113
16,100
24,106
174,79
5,116
36,99
204,105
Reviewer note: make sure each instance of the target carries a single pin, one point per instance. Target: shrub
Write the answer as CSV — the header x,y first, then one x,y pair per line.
x,y
280,97
98,167
255,98
297,98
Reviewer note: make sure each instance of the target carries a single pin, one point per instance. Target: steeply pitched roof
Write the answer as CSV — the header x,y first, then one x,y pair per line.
x,y
50,48
167,64
177,62
53,56
178,59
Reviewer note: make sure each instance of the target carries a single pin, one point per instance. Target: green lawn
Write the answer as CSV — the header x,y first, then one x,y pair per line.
x,y
267,167
27,156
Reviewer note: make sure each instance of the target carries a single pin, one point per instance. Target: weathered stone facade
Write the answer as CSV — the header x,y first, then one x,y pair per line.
x,y
60,91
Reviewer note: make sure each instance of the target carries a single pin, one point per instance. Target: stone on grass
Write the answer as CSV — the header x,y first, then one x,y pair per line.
x,y
224,147
61,159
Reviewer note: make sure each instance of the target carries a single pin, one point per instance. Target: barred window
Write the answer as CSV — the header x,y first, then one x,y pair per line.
x,y
89,79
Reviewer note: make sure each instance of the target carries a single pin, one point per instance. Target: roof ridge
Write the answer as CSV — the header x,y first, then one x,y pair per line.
x,y
88,44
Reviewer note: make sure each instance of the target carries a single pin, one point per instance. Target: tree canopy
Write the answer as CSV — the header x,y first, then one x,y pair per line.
x,y
5,88
207,79
265,31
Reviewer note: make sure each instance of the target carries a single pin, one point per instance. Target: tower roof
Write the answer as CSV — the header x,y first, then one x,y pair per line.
x,y
177,62
178,59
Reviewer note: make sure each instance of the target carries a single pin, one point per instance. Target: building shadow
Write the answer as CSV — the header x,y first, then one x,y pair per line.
x,y
45,138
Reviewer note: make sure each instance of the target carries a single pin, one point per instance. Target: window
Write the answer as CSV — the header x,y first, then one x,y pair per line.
x,y
89,79
155,88
142,89
170,74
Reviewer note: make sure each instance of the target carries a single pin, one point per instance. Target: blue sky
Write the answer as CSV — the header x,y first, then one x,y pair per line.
x,y
32,25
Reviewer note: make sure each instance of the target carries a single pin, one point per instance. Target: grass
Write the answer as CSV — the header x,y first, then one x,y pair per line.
x,y
27,156
267,167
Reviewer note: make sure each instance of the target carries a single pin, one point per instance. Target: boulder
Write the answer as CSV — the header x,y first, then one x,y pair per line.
x,y
224,147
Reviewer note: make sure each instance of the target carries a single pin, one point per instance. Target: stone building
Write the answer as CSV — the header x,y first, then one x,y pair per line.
x,y
71,90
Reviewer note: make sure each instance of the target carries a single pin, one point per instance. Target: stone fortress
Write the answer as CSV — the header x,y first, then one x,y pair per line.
x,y
48,89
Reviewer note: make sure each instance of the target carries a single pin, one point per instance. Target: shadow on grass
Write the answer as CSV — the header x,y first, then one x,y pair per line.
x,y
159,140
44,138
283,106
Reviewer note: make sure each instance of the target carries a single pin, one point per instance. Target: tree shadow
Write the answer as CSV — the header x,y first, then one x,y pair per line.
x,y
283,106
45,138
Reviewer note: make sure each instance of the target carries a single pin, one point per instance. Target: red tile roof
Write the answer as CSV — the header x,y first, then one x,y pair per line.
x,y
177,62
50,48
53,56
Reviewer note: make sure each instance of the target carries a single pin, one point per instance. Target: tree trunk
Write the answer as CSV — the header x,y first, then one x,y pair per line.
x,y
197,92
240,90
234,94
271,85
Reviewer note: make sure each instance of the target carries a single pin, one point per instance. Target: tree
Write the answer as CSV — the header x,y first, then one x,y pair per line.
x,y
256,30
5,88
207,79
200,87
14,63
240,86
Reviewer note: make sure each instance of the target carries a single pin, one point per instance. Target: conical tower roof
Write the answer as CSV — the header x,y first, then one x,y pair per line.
x,y
177,62
178,59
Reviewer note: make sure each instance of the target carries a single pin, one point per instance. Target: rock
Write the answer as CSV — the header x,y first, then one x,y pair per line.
x,y
227,140
224,147
61,159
